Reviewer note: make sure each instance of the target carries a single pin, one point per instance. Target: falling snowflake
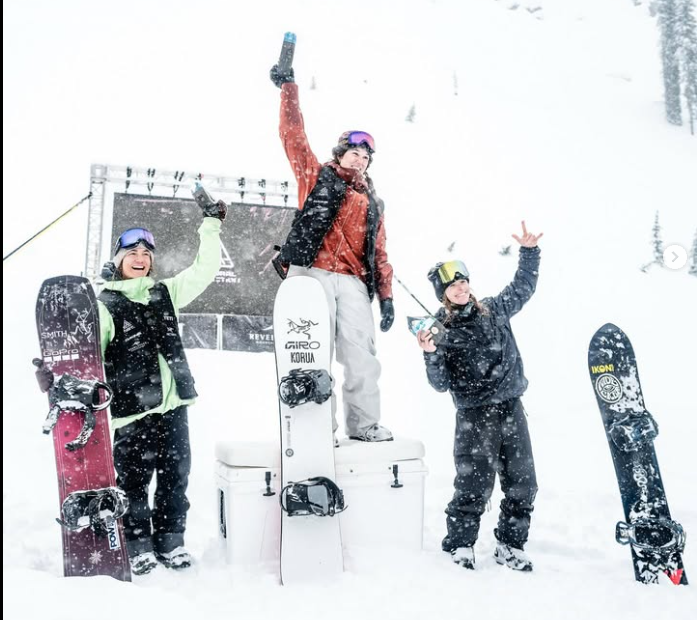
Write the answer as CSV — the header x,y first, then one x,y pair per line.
x,y
95,557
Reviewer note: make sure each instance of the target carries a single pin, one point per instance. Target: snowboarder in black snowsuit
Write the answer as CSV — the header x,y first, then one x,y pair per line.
x,y
479,363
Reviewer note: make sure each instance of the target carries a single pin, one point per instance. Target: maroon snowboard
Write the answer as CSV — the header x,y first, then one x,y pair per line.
x,y
67,320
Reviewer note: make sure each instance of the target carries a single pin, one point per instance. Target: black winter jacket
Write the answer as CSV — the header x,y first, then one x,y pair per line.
x,y
478,360
131,358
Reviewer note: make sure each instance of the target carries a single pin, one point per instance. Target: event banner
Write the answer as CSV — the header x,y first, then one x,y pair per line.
x,y
235,310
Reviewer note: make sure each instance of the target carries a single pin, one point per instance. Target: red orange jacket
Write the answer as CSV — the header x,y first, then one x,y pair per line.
x,y
342,249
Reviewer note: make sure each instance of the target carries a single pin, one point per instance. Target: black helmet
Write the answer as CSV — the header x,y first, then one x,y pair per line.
x,y
444,274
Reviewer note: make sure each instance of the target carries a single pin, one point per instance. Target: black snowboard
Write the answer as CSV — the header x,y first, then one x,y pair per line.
x,y
656,541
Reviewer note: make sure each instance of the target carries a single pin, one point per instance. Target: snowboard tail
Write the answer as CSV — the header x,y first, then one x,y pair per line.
x,y
655,540
67,321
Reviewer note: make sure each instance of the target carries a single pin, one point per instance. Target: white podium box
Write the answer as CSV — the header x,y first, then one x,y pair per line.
x,y
383,485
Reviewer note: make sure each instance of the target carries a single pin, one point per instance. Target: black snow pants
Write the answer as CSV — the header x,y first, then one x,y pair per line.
x,y
488,440
159,442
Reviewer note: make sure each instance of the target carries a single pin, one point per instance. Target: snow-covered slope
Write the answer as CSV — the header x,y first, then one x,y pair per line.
x,y
552,116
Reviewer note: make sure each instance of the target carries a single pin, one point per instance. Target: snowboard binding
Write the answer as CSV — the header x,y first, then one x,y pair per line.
x,y
302,386
317,496
633,431
97,509
76,395
660,536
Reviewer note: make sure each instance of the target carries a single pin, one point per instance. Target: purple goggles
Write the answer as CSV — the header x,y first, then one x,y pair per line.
x,y
132,237
359,138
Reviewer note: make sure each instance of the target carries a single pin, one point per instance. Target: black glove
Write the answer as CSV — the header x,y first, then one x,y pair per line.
x,y
44,376
387,313
217,209
108,271
279,79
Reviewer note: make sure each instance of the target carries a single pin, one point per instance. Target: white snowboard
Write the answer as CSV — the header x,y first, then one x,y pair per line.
x,y
311,547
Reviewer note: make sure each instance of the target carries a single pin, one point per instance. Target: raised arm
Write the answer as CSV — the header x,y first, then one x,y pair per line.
x,y
305,165
187,285
517,293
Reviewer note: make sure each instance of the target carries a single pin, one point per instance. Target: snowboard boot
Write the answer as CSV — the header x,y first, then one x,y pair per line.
x,y
143,563
464,556
512,557
372,433
177,559
302,386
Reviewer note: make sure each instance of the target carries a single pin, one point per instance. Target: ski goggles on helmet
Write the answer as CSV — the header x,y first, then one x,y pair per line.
x,y
132,237
449,272
359,138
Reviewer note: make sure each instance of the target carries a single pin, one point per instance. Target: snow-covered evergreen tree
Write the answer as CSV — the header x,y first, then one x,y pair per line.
x,y
667,18
657,244
411,115
693,257
686,25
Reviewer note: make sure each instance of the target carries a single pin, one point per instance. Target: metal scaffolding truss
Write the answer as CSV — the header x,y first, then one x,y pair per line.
x,y
166,183
95,219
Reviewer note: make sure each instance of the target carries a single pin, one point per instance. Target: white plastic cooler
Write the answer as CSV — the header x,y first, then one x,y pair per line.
x,y
383,486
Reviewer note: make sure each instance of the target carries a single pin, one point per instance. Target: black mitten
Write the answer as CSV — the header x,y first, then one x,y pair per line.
x,y
279,79
387,312
217,209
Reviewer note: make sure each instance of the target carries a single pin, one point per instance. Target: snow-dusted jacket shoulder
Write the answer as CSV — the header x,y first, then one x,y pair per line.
x,y
478,360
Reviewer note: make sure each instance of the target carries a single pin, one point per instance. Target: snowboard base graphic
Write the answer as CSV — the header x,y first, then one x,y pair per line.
x,y
67,320
656,541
